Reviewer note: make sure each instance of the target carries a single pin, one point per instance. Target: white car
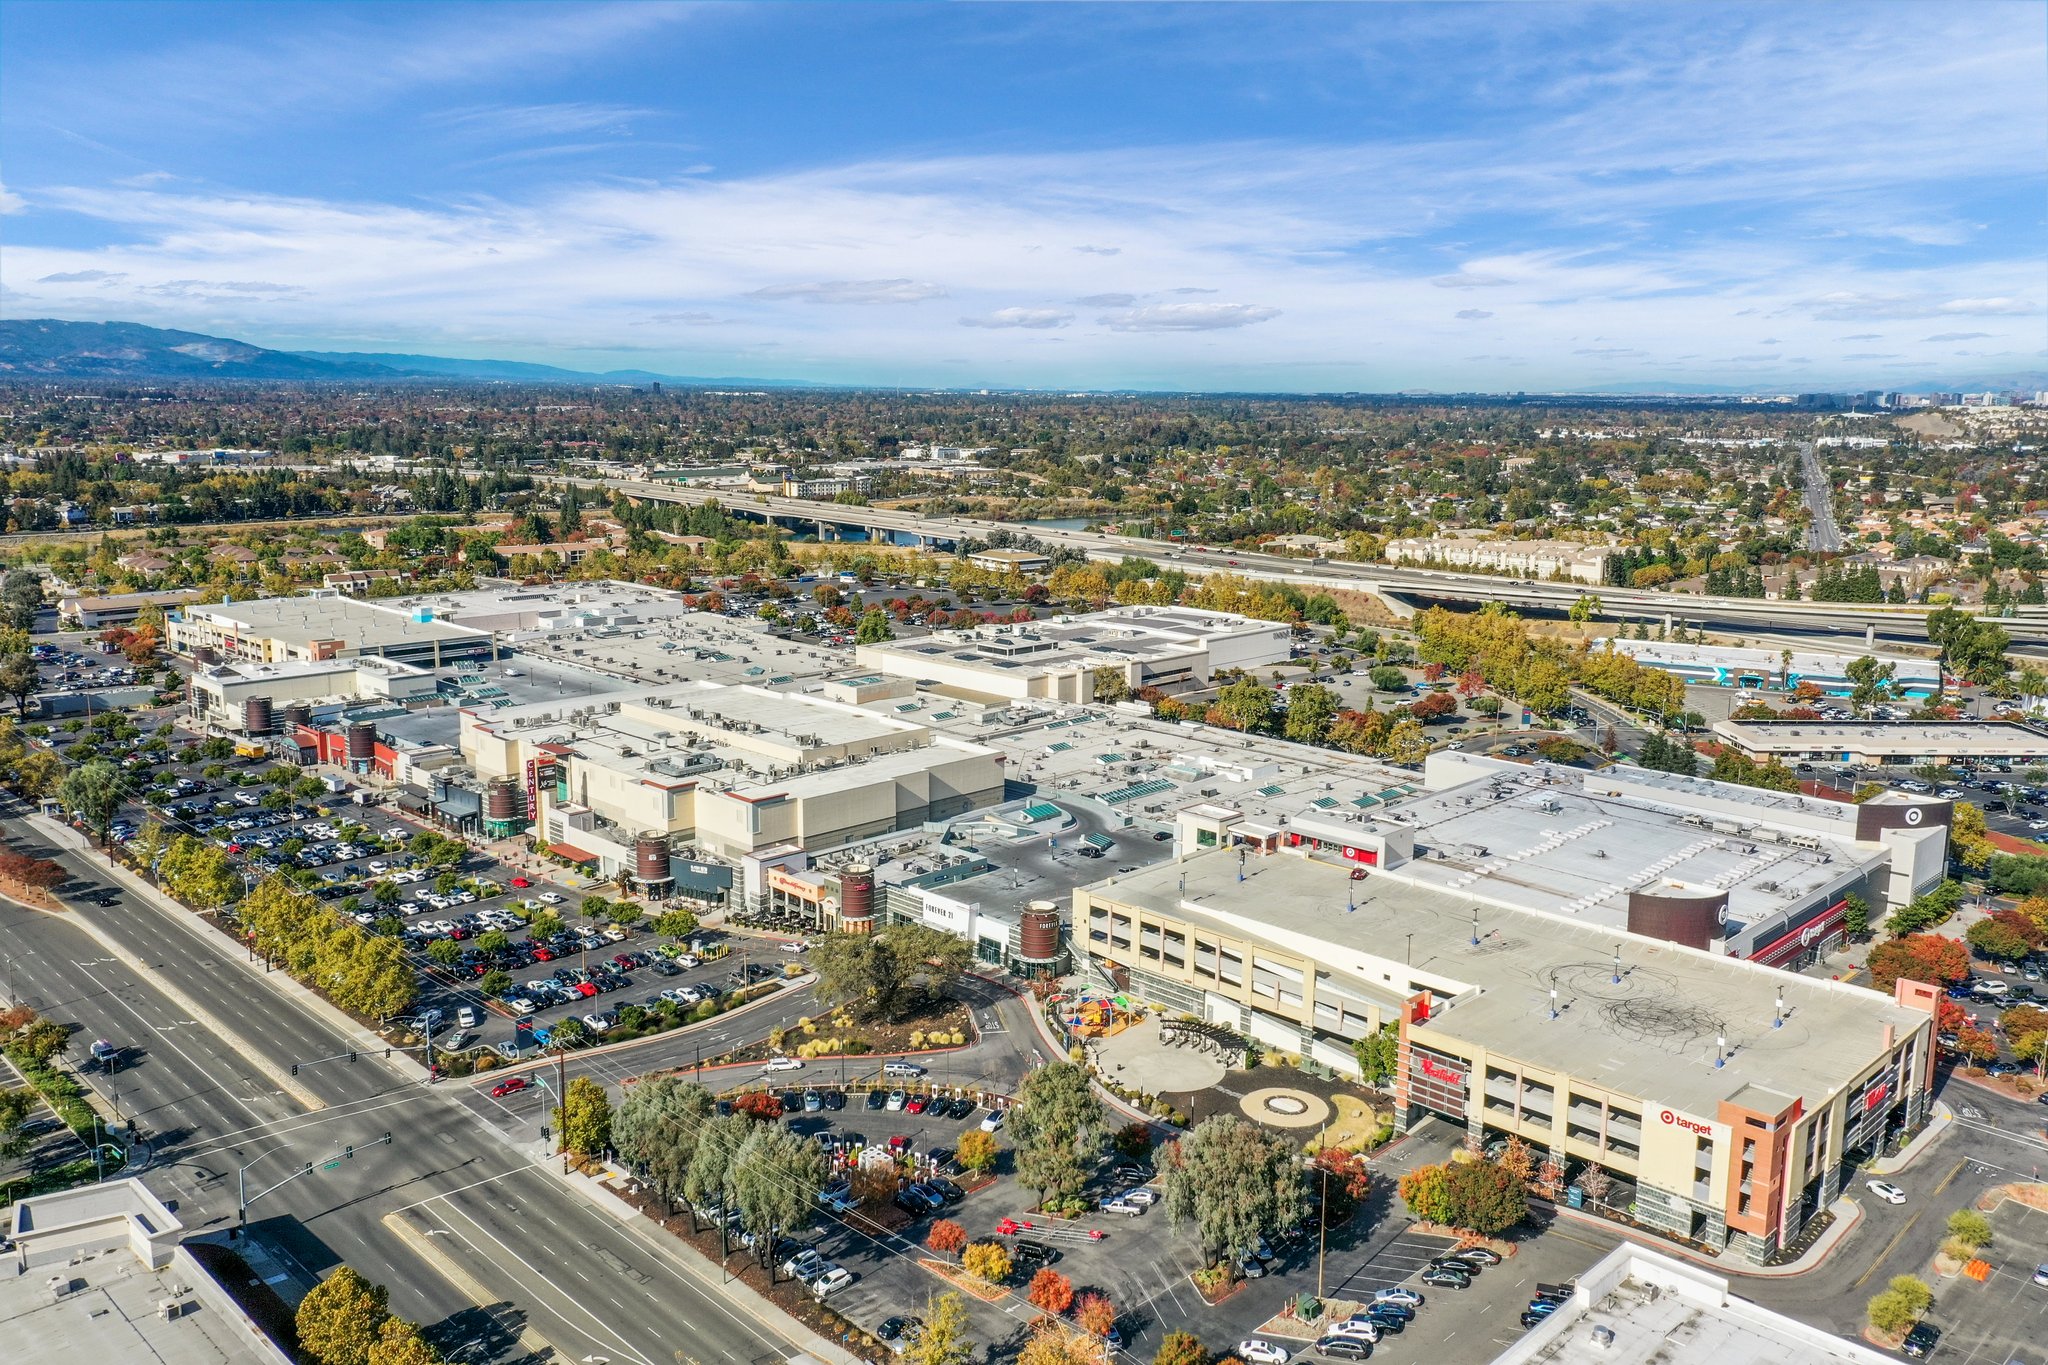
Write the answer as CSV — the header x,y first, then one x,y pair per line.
x,y
1398,1294
1141,1195
831,1282
612,933
597,1023
1891,1194
782,1064
1259,1351
993,1121
1364,1328
796,947
550,898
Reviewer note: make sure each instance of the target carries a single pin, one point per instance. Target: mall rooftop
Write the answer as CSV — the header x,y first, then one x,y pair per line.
x,y
1653,1034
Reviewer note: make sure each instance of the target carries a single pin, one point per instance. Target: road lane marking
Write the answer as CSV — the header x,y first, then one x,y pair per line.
x,y
423,1246
1889,1247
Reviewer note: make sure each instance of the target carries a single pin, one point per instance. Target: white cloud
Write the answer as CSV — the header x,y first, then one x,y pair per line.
x,y
1188,317
853,291
1100,250
10,202
1020,317
81,277
1988,307
1473,314
1957,336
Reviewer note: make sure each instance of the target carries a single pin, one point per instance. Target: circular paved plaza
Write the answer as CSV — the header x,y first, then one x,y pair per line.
x,y
1138,1059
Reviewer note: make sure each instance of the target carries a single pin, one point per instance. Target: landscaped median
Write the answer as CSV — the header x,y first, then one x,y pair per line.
x,y
32,1046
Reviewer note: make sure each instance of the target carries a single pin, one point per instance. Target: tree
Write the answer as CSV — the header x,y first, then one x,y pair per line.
x,y
1899,1305
399,1343
945,1340
198,873
20,679
1111,685
1387,678
1246,705
1345,1176
1486,1197
1855,915
41,1039
881,975
1310,709
776,1176
92,792
1378,1055
874,627
2007,935
1977,1044
718,1140
1918,957
1095,1314
1870,683
675,924
1132,1142
1053,1342
1180,1348
1053,1126
1406,743
1233,1181
1427,1192
989,1261
1970,1226
946,1237
1586,608
758,1106
584,1118
976,1151
655,1131
339,1318
1050,1291
1969,840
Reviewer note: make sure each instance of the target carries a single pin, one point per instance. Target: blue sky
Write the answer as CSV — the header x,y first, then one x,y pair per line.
x,y
1376,197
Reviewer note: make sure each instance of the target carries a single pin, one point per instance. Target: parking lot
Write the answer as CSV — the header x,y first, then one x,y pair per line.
x,y
2005,1318
462,916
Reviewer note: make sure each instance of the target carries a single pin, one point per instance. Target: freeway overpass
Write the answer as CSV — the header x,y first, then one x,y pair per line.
x,y
1404,589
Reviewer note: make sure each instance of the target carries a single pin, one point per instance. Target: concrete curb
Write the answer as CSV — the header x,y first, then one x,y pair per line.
x,y
1848,1215
305,1098
742,1296
1943,1117
446,1267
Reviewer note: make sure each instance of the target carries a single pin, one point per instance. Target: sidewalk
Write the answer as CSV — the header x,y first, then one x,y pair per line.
x,y
1943,1117
1847,1215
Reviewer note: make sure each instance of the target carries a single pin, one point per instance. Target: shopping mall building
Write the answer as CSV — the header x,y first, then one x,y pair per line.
x,y
1728,1100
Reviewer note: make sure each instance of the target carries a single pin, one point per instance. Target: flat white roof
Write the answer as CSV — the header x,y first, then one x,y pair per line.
x,y
1978,739
301,620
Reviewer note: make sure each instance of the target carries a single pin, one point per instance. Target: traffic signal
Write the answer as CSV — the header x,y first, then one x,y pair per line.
x,y
295,1068
351,1056
387,1137
348,1152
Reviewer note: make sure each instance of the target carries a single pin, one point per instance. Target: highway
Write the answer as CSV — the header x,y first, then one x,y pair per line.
x,y
549,1264
1823,534
1844,625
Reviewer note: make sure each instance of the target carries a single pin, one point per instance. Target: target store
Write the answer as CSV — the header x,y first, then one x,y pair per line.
x,y
1715,1100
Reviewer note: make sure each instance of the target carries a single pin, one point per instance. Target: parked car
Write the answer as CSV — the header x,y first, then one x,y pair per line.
x,y
1890,1193
1920,1341
1444,1277
831,1282
1341,1347
1121,1204
1259,1351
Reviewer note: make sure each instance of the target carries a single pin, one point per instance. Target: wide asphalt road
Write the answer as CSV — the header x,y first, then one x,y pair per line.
x,y
545,1260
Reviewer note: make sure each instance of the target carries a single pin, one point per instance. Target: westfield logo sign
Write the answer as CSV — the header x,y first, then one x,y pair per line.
x,y
1437,1071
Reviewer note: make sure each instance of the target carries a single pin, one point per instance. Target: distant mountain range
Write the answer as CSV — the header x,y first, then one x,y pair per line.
x,y
46,348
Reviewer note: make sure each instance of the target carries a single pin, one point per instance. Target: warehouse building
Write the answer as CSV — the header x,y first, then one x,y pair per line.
x,y
1059,659
320,626
1894,743
119,609
1718,666
730,770
1729,1101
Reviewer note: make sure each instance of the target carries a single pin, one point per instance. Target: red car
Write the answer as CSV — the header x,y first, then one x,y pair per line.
x,y
624,961
521,883
915,1105
585,989
512,1085
898,1145
542,954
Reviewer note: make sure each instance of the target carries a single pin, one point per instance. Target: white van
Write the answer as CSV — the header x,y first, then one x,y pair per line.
x,y
912,1070
467,1016
1991,986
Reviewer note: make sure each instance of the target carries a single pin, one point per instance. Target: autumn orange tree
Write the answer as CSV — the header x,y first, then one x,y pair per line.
x,y
1050,1292
988,1260
1095,1314
1427,1192
946,1237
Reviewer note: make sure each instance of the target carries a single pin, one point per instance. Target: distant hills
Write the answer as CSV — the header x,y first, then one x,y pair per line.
x,y
47,348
